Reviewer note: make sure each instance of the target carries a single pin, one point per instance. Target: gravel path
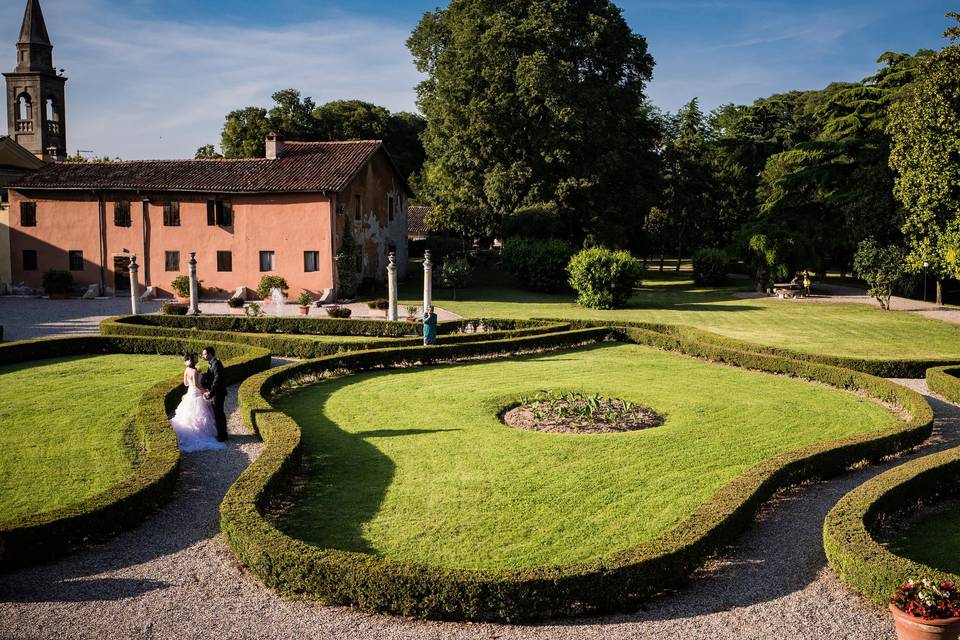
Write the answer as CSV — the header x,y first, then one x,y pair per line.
x,y
174,578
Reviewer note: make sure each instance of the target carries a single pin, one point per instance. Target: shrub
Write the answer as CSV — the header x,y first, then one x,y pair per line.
x,y
455,274
541,221
253,310
348,278
339,312
235,303
539,265
269,283
304,299
604,279
174,309
881,267
57,282
710,267
181,286
380,304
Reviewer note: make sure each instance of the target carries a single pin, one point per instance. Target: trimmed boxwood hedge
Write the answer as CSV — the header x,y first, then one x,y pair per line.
x,y
41,537
301,345
945,382
880,367
624,579
852,551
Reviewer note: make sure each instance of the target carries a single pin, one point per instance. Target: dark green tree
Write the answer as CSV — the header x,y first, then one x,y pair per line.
x,y
207,151
245,133
925,127
535,102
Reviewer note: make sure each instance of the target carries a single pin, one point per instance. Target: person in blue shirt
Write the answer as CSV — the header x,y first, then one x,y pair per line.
x,y
430,327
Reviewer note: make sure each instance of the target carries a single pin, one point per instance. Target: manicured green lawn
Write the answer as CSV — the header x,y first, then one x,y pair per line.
x,y
835,329
415,464
62,427
934,540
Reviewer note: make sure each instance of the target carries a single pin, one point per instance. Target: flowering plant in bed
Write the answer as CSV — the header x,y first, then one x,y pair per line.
x,y
926,609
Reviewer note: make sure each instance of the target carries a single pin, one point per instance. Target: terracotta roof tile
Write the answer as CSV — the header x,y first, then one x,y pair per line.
x,y
303,167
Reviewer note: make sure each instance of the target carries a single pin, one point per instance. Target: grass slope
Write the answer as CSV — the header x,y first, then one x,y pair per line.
x,y
836,329
61,427
933,539
415,465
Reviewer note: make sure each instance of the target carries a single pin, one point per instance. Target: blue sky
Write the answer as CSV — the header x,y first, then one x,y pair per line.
x,y
154,78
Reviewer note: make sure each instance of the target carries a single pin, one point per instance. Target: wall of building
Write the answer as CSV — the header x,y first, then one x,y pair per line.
x,y
373,230
287,224
6,274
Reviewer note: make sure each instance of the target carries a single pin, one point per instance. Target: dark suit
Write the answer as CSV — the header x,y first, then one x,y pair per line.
x,y
215,382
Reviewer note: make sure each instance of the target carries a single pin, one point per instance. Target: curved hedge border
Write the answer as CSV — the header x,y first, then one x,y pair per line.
x,y
852,551
340,577
44,536
945,382
880,367
301,345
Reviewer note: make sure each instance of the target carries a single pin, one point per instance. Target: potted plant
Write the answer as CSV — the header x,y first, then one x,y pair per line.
x,y
181,289
58,284
380,304
336,311
926,609
304,301
268,284
413,314
235,302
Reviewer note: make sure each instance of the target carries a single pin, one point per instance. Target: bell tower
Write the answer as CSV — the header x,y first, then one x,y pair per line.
x,y
36,107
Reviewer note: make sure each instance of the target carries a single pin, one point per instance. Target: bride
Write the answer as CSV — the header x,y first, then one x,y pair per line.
x,y
193,422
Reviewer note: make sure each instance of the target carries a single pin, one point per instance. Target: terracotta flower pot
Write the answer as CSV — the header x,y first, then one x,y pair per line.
x,y
180,299
912,628
304,311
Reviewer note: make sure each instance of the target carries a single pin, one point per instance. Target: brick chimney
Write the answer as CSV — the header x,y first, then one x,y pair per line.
x,y
274,145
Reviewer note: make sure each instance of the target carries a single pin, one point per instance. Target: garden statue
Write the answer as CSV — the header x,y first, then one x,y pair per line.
x,y
427,280
134,286
392,287
194,286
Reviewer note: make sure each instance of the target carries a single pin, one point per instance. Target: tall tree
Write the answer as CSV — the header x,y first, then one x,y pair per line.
x,y
245,133
535,102
926,138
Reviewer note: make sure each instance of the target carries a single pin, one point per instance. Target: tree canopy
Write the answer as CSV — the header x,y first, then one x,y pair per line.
x,y
536,103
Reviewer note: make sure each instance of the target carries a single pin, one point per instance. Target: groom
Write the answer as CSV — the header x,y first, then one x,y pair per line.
x,y
216,384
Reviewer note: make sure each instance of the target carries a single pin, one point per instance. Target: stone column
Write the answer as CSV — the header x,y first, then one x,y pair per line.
x,y
194,286
427,281
392,287
134,286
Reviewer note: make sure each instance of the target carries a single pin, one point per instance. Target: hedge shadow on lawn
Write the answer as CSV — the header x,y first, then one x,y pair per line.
x,y
620,581
42,537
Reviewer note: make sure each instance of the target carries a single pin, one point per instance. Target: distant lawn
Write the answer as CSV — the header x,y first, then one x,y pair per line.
x,y
837,329
934,540
415,465
61,427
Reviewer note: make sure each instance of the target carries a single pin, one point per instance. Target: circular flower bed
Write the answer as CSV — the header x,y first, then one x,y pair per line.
x,y
570,412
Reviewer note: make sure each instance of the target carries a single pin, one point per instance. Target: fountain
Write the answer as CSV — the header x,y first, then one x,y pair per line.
x,y
277,301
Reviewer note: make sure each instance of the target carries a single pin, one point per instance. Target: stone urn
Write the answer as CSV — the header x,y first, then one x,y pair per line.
x,y
913,628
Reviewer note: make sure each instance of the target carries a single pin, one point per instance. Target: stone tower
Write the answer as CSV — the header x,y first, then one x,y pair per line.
x,y
35,92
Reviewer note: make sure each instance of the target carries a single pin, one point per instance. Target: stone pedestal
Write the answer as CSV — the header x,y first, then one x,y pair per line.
x,y
427,282
392,287
134,286
194,286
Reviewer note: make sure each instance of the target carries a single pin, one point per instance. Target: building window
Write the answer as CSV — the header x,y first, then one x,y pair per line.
x,y
172,260
29,260
28,214
390,208
219,213
4,199
224,261
266,261
121,214
76,260
356,209
171,214
311,261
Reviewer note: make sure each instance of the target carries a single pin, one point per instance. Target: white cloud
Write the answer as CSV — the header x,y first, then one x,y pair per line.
x,y
160,89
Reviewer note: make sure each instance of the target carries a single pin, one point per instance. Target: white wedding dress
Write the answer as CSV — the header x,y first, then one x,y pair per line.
x,y
194,422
